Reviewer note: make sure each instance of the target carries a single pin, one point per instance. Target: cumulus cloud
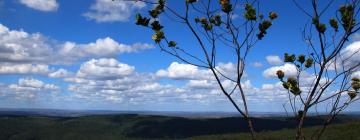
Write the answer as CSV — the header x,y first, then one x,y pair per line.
x,y
102,47
24,69
356,74
180,71
37,69
274,60
349,57
200,84
104,69
110,80
17,46
288,69
351,54
60,73
30,88
120,83
183,71
111,11
42,5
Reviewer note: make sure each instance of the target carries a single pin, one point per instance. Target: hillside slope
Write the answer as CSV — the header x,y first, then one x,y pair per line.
x,y
110,127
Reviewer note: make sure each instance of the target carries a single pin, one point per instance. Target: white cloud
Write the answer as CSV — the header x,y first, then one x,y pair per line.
x,y
32,84
24,69
111,11
200,84
60,73
356,74
257,64
183,71
274,60
180,71
102,47
17,46
42,5
30,88
288,69
351,54
104,69
348,58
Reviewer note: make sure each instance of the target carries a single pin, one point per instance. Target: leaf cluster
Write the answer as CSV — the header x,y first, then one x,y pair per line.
x,y
155,25
292,83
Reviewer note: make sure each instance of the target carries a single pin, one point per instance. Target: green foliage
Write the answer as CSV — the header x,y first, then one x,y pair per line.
x,y
216,20
292,85
156,26
263,26
320,27
226,6
286,85
158,36
203,20
280,74
301,58
141,20
207,25
352,94
292,81
197,20
289,58
309,62
172,44
355,79
154,13
295,90
118,127
161,5
347,16
355,83
334,24
250,12
273,15
347,131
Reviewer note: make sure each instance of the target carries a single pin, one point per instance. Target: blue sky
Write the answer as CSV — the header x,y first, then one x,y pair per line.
x,y
89,54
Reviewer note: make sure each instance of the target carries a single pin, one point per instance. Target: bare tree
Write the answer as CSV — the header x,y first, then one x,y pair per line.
x,y
328,62
215,26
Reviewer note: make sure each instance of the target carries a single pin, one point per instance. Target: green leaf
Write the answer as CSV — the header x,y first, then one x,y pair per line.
x,y
309,62
301,58
156,26
289,58
250,12
273,15
141,20
280,74
172,44
266,24
226,6
154,13
334,24
352,94
158,36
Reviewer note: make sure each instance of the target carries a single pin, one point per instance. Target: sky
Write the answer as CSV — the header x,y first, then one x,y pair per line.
x,y
89,54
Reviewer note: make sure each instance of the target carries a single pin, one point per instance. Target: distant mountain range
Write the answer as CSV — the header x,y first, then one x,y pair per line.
x,y
79,113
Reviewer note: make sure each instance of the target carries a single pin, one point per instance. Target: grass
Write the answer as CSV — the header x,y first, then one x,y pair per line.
x,y
348,131
116,127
